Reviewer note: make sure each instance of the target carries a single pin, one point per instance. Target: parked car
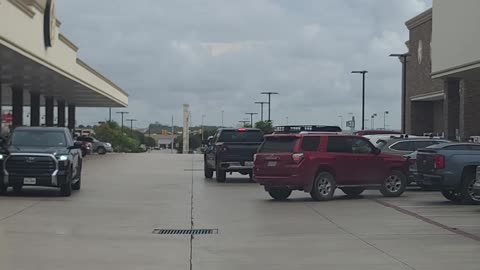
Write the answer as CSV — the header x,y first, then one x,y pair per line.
x,y
231,150
86,148
406,146
376,132
450,167
97,146
320,163
35,156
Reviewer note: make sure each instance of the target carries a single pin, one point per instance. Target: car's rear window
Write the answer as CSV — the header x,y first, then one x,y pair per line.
x,y
241,136
278,145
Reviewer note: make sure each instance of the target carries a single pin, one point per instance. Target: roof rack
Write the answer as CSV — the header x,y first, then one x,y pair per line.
x,y
306,128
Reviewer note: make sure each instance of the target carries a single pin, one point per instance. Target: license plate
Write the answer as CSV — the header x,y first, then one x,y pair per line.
x,y
29,181
249,163
272,164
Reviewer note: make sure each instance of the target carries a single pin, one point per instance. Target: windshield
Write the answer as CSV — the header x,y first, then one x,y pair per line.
x,y
40,138
241,136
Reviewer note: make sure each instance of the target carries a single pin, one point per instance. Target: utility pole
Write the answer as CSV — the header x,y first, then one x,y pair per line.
x,y
203,118
373,120
385,120
173,136
269,103
131,125
122,113
251,118
110,114
261,108
404,59
363,72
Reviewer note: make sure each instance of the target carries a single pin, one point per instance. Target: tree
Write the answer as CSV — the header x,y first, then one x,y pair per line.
x,y
265,126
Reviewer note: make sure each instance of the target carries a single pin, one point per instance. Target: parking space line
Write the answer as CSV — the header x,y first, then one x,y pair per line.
x,y
429,221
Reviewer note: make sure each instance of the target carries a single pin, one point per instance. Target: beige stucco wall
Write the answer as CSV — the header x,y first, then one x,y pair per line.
x,y
456,36
23,33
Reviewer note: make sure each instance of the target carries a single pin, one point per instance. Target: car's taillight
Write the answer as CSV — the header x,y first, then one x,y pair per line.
x,y
297,157
439,162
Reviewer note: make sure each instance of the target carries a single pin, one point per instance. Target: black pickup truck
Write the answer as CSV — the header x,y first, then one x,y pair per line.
x,y
231,150
40,156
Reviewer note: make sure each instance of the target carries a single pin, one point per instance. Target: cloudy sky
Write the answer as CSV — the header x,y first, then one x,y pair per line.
x,y
220,54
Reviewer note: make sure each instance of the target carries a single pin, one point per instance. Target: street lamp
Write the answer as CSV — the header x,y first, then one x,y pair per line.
x,y
251,118
122,113
385,119
203,119
131,125
403,58
373,120
269,102
261,108
363,72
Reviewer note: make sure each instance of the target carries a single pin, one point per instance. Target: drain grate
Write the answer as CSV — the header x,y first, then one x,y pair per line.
x,y
186,232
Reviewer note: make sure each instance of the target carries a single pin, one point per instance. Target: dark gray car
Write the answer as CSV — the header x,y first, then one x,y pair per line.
x,y
406,146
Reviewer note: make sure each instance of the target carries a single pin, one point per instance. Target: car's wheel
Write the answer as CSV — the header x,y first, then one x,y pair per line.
x,y
280,194
467,194
207,171
324,187
17,188
394,185
353,191
78,185
250,178
452,195
101,150
66,189
221,175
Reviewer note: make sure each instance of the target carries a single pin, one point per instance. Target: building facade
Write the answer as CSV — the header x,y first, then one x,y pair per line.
x,y
443,71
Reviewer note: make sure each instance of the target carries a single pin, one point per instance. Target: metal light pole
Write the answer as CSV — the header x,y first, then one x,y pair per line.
x,y
403,58
122,113
131,125
373,120
261,108
385,119
341,121
203,119
287,120
269,103
363,72
251,118
110,114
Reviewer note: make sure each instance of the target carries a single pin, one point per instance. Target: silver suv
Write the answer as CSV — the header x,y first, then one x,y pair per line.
x,y
406,146
97,146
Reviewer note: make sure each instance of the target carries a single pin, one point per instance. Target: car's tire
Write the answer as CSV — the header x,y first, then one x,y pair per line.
x,y
66,189
17,189
101,150
466,190
250,178
324,187
207,171
452,195
78,185
353,191
221,175
280,194
394,185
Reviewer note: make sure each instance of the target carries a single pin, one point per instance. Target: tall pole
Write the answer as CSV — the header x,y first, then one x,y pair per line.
x,y
203,117
404,59
269,103
222,117
385,120
131,125
261,108
122,113
110,114
363,72
251,118
173,136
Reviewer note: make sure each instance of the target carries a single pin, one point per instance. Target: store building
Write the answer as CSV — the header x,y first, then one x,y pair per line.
x,y
443,71
39,67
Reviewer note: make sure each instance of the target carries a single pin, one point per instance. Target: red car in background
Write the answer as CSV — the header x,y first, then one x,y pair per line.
x,y
320,163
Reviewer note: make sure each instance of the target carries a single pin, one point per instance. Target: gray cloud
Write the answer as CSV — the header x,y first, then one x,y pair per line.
x,y
218,55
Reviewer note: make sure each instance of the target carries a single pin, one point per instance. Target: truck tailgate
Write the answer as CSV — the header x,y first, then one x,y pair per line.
x,y
426,161
239,152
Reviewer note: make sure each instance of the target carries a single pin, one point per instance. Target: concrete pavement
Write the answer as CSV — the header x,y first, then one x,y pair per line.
x,y
109,223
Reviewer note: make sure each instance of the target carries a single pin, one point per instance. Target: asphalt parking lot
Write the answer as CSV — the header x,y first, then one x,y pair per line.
x,y
125,197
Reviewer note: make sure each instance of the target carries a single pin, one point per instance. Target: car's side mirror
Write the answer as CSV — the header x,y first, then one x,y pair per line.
x,y
76,145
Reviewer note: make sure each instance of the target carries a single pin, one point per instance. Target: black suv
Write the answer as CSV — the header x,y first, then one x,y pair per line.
x,y
37,156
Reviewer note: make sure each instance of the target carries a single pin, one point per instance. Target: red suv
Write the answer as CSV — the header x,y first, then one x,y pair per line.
x,y
320,163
